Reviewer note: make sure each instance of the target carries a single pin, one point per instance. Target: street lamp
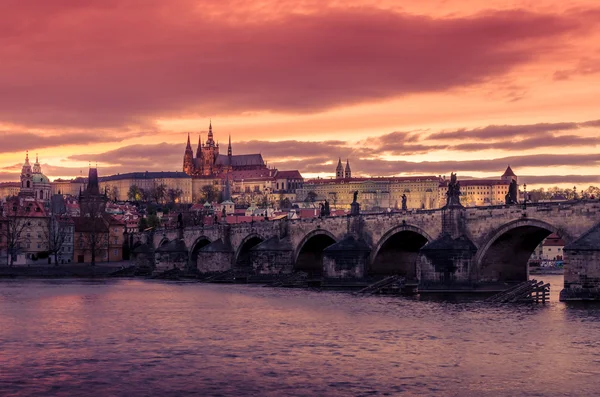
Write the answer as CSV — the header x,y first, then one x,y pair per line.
x,y
524,196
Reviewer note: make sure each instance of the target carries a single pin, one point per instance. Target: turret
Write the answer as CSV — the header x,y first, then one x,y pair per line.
x,y
347,172
339,171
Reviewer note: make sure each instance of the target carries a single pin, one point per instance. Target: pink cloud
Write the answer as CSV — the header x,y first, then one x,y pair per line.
x,y
114,63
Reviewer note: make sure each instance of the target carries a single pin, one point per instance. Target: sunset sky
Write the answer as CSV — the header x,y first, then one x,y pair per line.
x,y
399,87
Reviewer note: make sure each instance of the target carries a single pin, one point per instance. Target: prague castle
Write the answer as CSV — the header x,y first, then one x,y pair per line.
x,y
208,162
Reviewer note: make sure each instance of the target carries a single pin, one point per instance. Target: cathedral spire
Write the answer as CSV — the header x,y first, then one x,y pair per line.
x,y
347,172
189,146
339,170
229,147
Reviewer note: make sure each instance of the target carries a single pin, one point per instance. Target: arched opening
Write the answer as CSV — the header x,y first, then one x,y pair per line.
x,y
163,242
505,257
198,245
398,254
310,255
243,256
28,184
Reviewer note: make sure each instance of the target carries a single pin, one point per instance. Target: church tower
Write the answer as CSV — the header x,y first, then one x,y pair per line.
x,y
26,178
188,158
347,172
339,171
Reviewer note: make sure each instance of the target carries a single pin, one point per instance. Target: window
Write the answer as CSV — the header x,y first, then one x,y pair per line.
x,y
116,252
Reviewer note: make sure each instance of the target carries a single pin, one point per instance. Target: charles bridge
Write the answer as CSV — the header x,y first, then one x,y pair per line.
x,y
467,247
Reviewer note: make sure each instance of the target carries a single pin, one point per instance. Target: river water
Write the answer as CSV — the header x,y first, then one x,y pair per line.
x,y
146,338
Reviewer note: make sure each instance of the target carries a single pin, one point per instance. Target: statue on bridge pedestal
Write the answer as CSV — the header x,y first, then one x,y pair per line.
x,y
355,206
404,208
453,193
326,208
511,196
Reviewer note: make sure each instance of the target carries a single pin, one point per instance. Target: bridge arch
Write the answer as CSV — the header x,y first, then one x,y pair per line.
x,y
308,256
198,244
397,251
505,252
242,254
163,241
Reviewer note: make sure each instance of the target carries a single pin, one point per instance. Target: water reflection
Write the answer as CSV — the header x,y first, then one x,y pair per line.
x,y
129,338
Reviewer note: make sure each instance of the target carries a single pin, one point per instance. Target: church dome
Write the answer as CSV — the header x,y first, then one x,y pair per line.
x,y
40,178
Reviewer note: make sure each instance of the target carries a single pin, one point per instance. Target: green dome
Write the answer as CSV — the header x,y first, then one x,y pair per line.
x,y
40,178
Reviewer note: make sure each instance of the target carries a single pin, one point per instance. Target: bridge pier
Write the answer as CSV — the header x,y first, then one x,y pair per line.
x,y
215,257
346,259
582,268
447,261
273,256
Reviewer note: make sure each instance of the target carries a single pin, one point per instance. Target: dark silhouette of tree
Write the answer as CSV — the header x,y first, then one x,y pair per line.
x,y
13,229
209,193
92,229
174,194
158,193
134,193
311,196
57,232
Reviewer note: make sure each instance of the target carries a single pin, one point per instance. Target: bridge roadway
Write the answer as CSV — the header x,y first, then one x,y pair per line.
x,y
460,246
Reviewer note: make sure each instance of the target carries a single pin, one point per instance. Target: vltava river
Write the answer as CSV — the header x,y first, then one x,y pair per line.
x,y
143,338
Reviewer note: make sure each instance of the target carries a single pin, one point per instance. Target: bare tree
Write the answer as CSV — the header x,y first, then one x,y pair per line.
x,y
158,193
174,194
113,193
92,228
13,229
56,233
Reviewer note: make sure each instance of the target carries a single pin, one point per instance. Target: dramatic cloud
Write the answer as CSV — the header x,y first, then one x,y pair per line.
x,y
112,63
508,131
22,141
549,180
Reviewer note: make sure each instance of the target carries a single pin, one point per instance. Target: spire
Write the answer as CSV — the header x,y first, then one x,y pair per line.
x,y
339,170
199,149
347,172
27,157
188,146
229,147
36,158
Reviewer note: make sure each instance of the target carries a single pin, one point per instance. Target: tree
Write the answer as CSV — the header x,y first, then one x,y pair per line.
x,y
153,220
113,193
92,228
56,233
158,193
13,229
311,196
263,201
174,194
209,193
134,193
142,224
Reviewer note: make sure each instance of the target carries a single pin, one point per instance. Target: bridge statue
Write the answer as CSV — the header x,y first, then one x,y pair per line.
x,y
511,196
404,202
453,193
355,206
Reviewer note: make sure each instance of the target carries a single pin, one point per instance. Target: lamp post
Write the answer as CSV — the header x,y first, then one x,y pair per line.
x,y
524,196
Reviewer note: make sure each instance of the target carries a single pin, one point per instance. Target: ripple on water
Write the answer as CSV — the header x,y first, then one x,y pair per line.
x,y
131,337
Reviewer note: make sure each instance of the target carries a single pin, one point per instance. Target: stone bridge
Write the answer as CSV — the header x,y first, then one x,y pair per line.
x,y
457,245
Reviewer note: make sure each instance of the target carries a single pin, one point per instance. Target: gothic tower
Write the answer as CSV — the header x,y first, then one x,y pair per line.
x,y
347,172
188,158
339,171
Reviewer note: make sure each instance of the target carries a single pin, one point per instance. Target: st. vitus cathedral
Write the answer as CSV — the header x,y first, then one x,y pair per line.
x,y
209,162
